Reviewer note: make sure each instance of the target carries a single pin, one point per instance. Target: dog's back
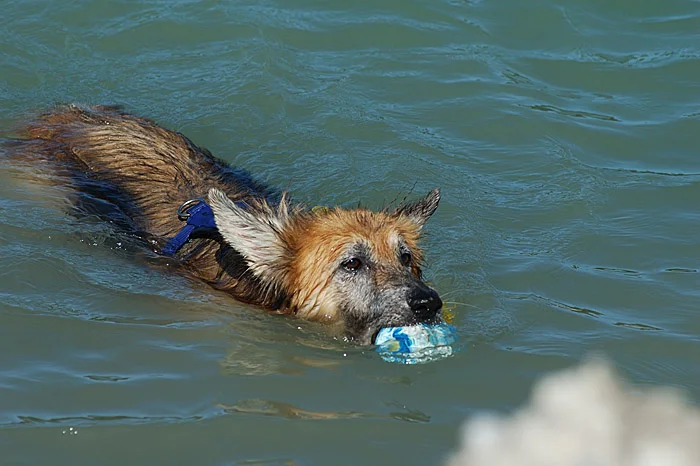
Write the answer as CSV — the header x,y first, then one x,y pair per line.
x,y
152,169
146,172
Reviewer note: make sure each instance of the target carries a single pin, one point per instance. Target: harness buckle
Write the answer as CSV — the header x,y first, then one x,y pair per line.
x,y
183,211
200,220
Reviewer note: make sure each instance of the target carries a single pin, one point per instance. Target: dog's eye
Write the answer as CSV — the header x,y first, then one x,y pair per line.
x,y
352,265
405,258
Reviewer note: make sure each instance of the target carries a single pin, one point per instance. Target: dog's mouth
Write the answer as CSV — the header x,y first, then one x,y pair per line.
x,y
369,336
373,339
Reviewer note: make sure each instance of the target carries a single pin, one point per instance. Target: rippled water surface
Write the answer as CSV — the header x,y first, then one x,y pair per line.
x,y
564,136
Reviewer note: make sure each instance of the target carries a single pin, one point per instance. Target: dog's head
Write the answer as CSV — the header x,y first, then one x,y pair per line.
x,y
356,268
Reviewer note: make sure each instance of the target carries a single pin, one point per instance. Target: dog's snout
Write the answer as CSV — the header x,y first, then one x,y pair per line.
x,y
424,302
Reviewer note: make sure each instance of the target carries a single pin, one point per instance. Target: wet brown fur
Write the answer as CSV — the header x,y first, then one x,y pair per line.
x,y
153,171
147,172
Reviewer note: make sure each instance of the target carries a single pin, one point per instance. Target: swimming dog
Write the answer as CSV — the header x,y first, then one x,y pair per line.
x,y
357,269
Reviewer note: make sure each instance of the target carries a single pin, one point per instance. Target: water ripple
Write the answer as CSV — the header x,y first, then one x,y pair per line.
x,y
90,420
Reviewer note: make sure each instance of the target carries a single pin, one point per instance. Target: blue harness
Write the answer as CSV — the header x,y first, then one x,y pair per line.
x,y
199,218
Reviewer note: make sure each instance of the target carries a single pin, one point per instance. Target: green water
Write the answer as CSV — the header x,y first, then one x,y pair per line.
x,y
564,136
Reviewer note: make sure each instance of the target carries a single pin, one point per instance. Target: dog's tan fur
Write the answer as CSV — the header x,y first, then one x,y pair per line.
x,y
268,252
323,241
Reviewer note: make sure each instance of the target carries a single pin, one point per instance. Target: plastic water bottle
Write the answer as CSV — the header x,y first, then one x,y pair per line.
x,y
416,344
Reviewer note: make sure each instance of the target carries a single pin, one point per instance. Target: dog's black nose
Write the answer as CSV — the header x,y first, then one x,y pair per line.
x,y
424,302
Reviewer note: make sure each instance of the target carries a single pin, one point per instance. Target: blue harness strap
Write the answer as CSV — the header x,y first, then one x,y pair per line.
x,y
199,218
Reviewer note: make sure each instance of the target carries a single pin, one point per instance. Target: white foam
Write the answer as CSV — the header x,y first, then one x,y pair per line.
x,y
587,417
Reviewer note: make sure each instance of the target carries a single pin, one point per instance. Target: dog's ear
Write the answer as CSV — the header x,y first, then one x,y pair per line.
x,y
420,211
255,232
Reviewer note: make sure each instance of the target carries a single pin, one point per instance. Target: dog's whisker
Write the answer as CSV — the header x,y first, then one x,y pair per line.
x,y
461,304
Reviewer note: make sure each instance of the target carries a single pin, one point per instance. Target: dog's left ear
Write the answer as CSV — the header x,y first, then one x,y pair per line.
x,y
420,211
255,232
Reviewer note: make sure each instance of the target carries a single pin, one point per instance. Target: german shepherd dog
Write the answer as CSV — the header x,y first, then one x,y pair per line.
x,y
355,269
